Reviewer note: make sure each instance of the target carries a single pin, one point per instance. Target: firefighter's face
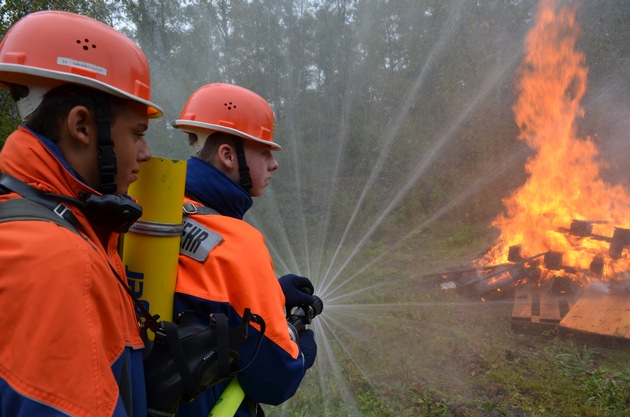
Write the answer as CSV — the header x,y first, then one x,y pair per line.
x,y
131,147
261,163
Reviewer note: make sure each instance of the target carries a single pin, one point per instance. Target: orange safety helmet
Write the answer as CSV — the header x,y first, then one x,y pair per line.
x,y
230,109
49,48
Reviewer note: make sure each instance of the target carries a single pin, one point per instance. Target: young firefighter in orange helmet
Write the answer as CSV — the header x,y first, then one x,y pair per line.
x,y
231,130
71,343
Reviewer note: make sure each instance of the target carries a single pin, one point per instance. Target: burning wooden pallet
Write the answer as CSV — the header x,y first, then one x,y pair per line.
x,y
492,280
540,307
549,294
618,242
600,312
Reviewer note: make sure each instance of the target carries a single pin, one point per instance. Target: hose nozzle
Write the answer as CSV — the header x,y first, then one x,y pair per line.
x,y
302,316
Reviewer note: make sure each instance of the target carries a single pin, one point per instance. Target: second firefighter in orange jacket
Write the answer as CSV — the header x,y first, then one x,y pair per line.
x,y
230,269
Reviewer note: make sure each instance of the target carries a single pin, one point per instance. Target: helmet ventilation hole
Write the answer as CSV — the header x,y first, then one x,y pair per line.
x,y
86,41
230,105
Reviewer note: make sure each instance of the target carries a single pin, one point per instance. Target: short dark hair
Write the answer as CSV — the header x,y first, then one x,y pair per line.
x,y
57,103
212,144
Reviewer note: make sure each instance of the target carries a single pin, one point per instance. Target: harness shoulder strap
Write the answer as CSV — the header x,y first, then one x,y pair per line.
x,y
25,209
190,208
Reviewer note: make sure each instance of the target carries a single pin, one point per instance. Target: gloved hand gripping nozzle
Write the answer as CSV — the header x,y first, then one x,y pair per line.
x,y
301,316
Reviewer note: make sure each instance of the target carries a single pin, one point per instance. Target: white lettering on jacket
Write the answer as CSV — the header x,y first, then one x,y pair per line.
x,y
197,240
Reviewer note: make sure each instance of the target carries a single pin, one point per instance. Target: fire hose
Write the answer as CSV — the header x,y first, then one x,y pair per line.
x,y
297,319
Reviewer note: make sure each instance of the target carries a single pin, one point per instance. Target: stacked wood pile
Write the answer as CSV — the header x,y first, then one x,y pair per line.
x,y
562,301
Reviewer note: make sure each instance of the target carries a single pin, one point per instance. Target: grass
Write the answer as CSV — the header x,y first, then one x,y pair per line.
x,y
410,348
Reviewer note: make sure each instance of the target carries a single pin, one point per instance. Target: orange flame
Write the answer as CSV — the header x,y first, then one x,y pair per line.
x,y
564,182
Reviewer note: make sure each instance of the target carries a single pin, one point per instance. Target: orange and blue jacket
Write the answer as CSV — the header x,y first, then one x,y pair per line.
x,y
70,335
231,274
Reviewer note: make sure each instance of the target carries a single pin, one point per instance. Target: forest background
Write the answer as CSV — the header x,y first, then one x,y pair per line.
x,y
371,82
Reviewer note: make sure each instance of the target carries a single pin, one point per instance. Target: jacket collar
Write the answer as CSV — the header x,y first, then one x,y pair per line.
x,y
214,189
38,161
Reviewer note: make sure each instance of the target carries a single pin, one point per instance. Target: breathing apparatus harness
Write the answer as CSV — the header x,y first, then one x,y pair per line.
x,y
115,212
184,358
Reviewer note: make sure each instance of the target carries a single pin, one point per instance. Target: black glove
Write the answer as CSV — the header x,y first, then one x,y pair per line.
x,y
308,347
298,291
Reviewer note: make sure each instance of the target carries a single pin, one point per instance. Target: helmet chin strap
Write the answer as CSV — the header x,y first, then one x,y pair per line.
x,y
106,157
243,169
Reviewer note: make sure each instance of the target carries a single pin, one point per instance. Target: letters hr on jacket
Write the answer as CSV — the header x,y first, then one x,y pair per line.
x,y
197,240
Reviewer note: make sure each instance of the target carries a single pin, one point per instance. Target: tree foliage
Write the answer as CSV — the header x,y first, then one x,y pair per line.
x,y
388,108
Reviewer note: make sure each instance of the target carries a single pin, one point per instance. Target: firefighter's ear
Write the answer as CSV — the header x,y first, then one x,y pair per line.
x,y
80,125
226,156
78,144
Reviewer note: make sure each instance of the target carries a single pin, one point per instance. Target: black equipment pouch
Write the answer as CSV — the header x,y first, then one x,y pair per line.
x,y
186,358
115,212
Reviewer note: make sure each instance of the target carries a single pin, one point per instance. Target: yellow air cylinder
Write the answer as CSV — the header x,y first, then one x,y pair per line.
x,y
151,247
